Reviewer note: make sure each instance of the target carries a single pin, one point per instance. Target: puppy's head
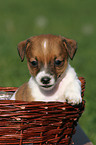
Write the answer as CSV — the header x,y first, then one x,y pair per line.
x,y
47,57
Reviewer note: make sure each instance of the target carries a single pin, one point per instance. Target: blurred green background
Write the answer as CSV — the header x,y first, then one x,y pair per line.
x,y
73,19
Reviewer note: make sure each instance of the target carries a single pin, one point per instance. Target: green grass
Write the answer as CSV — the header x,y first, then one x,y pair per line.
x,y
74,19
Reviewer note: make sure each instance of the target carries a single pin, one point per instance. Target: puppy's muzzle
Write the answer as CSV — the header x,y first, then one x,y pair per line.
x,y
45,80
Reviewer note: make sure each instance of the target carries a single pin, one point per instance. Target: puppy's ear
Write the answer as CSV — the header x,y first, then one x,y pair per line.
x,y
71,46
22,46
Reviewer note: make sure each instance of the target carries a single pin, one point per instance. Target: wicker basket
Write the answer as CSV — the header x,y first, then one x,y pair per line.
x,y
40,123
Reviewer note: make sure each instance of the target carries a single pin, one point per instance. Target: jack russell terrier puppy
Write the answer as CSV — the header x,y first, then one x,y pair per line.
x,y
52,78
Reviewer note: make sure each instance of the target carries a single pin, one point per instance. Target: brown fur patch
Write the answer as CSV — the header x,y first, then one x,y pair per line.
x,y
23,93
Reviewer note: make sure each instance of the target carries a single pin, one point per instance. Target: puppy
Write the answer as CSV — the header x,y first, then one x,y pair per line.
x,y
52,78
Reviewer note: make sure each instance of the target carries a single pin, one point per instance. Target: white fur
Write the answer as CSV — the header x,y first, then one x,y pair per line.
x,y
68,87
45,44
13,97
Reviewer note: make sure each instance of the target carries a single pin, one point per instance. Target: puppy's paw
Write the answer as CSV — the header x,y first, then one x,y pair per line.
x,y
73,97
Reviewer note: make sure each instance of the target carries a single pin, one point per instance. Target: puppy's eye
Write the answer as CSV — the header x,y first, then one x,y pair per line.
x,y
34,63
58,62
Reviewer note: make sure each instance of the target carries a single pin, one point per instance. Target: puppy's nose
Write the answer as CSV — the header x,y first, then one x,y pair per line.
x,y
45,80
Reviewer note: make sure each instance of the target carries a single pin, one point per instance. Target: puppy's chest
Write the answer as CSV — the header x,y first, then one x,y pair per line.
x,y
55,95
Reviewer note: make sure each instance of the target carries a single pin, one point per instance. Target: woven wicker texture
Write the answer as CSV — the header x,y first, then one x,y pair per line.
x,y
41,123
